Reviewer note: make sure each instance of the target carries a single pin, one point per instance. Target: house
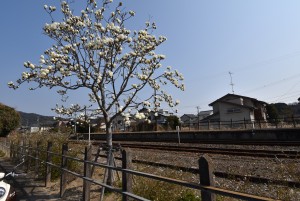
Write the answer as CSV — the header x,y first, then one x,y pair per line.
x,y
187,119
204,114
193,120
232,107
118,124
161,116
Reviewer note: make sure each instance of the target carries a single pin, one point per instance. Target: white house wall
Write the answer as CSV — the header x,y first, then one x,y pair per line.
x,y
242,114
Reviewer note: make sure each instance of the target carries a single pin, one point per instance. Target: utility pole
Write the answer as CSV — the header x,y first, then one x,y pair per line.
x,y
38,122
198,113
231,83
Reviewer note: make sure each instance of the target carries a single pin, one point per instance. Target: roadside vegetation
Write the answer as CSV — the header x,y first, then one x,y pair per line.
x,y
9,120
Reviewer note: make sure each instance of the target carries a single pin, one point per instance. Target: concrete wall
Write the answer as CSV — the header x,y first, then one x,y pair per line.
x,y
197,136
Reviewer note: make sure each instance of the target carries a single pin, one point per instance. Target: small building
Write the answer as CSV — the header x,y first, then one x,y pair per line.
x,y
187,119
192,120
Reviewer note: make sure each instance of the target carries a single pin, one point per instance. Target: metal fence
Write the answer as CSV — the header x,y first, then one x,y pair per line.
x,y
288,122
32,155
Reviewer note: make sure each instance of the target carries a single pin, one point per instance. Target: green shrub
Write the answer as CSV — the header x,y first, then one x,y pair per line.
x,y
2,154
9,120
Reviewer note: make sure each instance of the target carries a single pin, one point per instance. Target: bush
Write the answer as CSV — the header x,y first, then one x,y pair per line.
x,y
9,120
173,121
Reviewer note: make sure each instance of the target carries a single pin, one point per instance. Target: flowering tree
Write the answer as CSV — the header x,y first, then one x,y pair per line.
x,y
93,50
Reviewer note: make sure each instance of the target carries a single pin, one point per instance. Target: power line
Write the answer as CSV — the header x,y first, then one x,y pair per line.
x,y
272,83
255,65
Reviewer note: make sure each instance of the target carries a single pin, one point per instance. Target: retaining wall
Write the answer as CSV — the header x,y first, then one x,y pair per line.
x,y
202,136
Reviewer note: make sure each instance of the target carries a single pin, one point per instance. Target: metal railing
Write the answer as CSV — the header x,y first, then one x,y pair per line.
x,y
21,150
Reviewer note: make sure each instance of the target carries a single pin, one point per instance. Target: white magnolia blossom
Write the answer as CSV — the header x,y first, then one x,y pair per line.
x,y
110,73
139,115
94,50
147,103
32,66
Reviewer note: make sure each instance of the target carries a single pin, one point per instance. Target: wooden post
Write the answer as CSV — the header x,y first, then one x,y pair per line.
x,y
18,151
24,155
219,124
37,157
28,159
63,180
259,123
208,124
206,177
48,167
87,173
294,123
126,177
245,125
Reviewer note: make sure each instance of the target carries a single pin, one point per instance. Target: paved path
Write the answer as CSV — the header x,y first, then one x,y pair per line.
x,y
27,187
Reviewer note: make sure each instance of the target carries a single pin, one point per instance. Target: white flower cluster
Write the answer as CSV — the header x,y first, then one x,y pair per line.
x,y
94,50
139,115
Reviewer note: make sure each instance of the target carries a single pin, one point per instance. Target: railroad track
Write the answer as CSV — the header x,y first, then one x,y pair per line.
x,y
230,176
220,151
290,154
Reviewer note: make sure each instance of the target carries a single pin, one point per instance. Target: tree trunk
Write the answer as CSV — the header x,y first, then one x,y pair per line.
x,y
109,180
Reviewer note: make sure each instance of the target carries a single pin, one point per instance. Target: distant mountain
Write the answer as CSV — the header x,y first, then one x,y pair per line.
x,y
32,119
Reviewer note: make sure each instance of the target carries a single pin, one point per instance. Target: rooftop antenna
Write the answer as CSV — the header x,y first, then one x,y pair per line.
x,y
231,83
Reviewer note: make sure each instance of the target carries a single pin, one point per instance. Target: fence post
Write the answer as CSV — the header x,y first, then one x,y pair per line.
x,y
206,177
87,173
48,166
24,154
28,158
37,157
294,123
245,125
208,124
126,177
18,151
63,180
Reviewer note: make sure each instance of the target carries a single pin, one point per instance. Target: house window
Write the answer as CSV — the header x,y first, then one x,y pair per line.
x,y
233,110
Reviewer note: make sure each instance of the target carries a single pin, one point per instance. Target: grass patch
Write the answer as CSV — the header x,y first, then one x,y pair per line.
x,y
57,139
2,154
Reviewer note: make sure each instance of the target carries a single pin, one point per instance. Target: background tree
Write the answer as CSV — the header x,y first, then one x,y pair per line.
x,y
9,120
173,121
272,113
93,50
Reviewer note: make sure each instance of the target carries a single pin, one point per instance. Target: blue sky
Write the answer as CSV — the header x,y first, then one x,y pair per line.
x,y
258,41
